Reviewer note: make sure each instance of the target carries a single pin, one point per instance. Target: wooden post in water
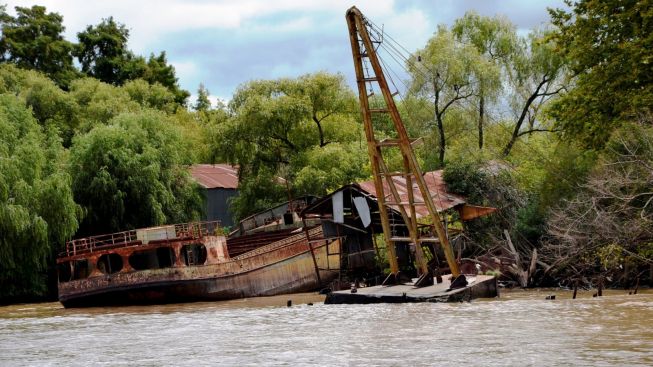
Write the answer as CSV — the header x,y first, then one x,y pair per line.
x,y
575,289
600,290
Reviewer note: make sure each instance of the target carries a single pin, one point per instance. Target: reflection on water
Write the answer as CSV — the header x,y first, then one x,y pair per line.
x,y
520,329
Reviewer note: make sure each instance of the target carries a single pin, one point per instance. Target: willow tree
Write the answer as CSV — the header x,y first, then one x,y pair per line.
x,y
37,211
447,73
496,41
297,132
537,74
524,73
131,173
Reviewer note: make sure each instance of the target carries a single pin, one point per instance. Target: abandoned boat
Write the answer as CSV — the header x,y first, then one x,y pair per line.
x,y
194,262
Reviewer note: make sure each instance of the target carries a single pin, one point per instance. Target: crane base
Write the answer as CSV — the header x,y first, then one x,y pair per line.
x,y
479,286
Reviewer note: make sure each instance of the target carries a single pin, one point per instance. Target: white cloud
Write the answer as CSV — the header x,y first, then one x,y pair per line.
x,y
226,42
150,20
413,36
185,69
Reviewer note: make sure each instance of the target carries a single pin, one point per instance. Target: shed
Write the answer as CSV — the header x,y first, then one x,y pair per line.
x,y
220,182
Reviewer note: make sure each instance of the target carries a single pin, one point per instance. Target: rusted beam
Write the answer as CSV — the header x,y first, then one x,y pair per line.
x,y
310,246
358,28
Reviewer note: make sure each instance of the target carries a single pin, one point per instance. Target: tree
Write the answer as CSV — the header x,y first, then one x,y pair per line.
x,y
154,96
33,40
54,109
609,46
329,99
203,103
610,219
444,72
37,211
102,51
496,41
537,74
131,174
99,102
280,128
159,71
103,54
524,73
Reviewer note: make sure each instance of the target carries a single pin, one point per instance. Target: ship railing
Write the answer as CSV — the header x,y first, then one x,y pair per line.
x,y
136,237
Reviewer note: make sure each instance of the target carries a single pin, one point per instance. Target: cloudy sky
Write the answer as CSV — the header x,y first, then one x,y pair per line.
x,y
224,43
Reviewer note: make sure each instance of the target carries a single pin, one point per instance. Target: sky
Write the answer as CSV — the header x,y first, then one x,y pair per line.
x,y
223,44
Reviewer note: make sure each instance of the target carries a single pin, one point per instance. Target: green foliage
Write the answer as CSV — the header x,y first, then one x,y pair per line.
x,y
609,45
203,103
496,41
37,211
99,102
153,96
103,54
565,172
52,107
536,75
33,39
476,75
129,174
446,72
301,130
493,37
466,178
530,221
128,144
257,192
327,168
159,71
102,51
494,184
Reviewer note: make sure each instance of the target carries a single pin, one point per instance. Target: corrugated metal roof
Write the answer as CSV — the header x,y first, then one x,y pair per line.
x,y
213,176
442,199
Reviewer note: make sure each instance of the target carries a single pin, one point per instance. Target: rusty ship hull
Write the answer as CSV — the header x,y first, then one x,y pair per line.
x,y
300,262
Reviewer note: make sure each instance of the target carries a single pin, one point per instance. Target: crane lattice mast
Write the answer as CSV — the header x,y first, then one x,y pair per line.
x,y
362,46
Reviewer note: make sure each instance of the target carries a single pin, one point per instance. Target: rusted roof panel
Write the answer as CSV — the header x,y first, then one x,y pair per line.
x,y
213,176
442,199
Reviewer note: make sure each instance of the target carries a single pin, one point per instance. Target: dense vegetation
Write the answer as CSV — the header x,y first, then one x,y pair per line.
x,y
554,128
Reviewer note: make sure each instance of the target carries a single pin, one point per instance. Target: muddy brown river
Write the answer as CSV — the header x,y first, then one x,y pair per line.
x,y
519,329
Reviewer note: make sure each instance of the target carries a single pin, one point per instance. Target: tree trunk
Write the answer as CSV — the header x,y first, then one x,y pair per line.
x,y
438,119
481,117
443,142
320,131
520,120
516,269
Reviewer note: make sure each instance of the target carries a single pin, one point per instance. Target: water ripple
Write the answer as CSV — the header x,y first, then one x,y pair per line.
x,y
520,329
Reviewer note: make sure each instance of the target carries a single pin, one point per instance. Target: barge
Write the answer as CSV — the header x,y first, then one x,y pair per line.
x,y
194,262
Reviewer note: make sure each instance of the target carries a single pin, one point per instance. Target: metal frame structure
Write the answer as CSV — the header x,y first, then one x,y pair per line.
x,y
362,46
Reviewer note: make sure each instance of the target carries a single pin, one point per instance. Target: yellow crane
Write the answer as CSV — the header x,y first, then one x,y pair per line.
x,y
362,46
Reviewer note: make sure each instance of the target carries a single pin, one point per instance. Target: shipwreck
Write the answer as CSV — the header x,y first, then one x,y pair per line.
x,y
278,253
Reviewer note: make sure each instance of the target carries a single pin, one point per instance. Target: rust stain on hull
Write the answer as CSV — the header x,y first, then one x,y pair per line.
x,y
284,266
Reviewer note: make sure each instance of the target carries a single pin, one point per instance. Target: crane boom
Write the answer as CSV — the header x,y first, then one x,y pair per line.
x,y
362,46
